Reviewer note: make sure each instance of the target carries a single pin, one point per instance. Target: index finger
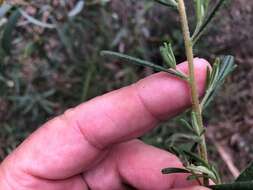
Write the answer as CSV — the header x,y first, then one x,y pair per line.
x,y
68,144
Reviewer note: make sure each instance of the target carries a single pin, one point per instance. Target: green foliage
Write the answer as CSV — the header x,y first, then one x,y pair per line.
x,y
65,59
204,18
197,165
201,8
168,55
8,31
33,102
174,170
139,62
194,165
71,72
222,67
187,126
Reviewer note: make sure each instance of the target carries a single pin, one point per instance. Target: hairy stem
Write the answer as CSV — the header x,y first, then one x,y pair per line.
x,y
194,92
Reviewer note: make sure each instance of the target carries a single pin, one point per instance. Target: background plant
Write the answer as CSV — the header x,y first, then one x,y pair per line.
x,y
39,62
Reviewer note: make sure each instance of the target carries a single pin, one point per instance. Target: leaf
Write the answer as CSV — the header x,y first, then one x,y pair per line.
x,y
174,170
140,62
168,55
35,21
202,170
77,9
201,7
179,136
169,3
194,147
208,77
198,10
8,31
246,175
187,125
215,171
227,66
67,41
200,29
196,158
176,151
221,69
194,123
246,185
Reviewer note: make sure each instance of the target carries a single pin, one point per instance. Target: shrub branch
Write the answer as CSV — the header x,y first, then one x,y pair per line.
x,y
192,81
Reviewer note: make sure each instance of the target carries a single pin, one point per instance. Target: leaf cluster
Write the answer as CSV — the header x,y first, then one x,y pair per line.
x,y
197,167
222,67
194,164
204,17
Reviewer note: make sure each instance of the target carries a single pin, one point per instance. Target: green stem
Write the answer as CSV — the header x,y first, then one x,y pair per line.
x,y
192,81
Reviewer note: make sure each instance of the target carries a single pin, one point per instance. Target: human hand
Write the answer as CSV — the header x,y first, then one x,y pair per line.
x,y
92,146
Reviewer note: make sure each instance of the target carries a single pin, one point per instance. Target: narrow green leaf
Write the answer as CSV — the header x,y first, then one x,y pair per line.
x,y
174,170
246,185
66,40
140,62
175,150
179,136
194,123
168,55
221,69
201,7
202,169
196,158
227,66
194,147
200,10
8,31
200,30
246,175
187,125
215,171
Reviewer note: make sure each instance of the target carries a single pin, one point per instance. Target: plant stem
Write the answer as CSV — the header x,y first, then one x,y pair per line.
x,y
192,81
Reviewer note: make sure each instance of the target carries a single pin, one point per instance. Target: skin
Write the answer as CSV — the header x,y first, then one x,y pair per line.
x,y
94,145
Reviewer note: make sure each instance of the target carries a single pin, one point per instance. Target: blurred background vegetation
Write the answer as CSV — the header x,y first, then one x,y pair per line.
x,y
50,61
